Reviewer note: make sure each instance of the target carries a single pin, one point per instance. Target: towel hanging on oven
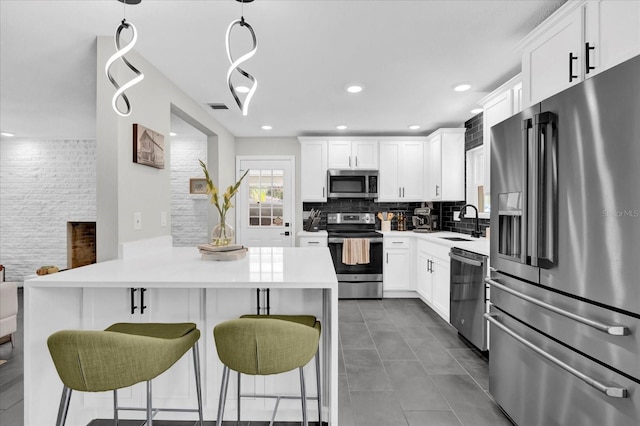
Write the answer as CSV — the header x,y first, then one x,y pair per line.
x,y
355,251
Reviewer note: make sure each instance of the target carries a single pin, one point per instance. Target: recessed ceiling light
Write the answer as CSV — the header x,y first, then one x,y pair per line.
x,y
354,88
172,133
462,87
266,127
477,111
341,127
242,89
6,134
414,127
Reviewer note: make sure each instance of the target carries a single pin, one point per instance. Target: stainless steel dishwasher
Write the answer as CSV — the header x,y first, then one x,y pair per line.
x,y
468,271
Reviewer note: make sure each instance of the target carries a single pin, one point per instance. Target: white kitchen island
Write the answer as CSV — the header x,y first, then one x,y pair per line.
x,y
174,285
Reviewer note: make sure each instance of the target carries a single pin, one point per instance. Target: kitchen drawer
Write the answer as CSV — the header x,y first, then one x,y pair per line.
x,y
313,241
618,351
435,250
517,371
397,242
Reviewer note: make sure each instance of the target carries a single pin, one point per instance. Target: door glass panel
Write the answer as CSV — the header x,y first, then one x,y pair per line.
x,y
266,189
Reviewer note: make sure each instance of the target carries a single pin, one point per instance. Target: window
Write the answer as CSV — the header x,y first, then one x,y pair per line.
x,y
475,182
265,197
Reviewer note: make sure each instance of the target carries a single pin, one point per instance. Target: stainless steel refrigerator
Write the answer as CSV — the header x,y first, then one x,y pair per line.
x,y
565,252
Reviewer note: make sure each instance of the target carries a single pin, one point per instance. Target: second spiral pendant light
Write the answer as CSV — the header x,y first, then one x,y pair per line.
x,y
235,64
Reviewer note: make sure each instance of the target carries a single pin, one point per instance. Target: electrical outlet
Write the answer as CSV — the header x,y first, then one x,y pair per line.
x,y
137,221
456,216
163,218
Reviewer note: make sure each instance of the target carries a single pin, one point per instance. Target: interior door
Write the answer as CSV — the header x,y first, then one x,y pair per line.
x,y
264,216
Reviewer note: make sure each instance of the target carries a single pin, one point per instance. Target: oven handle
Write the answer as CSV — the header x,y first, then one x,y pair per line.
x,y
614,330
613,392
341,240
465,260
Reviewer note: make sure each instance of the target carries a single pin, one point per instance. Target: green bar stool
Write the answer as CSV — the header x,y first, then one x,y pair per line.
x,y
263,345
120,356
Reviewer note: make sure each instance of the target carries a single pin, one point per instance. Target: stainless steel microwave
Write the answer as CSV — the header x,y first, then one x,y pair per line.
x,y
352,183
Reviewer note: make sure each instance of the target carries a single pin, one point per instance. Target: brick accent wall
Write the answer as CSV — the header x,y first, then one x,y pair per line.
x,y
81,244
188,211
43,185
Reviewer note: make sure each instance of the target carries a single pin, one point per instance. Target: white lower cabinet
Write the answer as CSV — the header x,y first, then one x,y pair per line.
x,y
102,307
397,264
433,282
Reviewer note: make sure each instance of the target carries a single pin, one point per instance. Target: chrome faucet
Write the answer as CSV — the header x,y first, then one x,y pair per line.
x,y
476,233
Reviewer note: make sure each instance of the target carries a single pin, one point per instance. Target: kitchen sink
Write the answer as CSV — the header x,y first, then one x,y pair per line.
x,y
455,239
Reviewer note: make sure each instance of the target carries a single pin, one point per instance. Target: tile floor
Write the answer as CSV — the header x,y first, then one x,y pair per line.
x,y
400,364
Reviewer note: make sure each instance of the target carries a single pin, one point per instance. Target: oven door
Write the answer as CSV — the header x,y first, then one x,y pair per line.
x,y
358,281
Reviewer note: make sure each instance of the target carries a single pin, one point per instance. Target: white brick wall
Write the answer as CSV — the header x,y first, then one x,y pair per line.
x,y
43,185
188,211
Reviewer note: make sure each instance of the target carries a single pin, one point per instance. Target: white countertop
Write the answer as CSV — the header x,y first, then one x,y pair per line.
x,y
275,267
312,234
476,245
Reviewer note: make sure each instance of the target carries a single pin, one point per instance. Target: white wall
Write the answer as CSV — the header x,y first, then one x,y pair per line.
x,y
124,187
43,185
189,225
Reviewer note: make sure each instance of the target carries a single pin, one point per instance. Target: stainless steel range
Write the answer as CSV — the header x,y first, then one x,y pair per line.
x,y
356,280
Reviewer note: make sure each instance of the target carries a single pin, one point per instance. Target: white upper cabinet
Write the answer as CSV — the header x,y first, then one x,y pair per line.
x,y
402,171
581,39
313,166
353,154
445,164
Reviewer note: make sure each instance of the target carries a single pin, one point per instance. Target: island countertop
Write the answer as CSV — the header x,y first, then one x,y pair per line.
x,y
275,267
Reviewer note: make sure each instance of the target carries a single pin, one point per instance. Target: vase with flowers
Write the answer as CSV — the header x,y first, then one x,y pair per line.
x,y
222,234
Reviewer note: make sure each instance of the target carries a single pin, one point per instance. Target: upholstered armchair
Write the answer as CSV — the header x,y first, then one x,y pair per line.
x,y
8,311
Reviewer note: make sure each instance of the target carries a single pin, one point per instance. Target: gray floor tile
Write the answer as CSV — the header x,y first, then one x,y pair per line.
x,y
432,418
416,331
435,358
14,415
463,393
369,304
377,409
349,312
345,410
413,386
365,370
448,336
483,416
391,345
355,336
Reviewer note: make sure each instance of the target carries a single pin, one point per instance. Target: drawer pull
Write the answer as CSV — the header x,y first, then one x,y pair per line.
x,y
465,260
612,329
611,391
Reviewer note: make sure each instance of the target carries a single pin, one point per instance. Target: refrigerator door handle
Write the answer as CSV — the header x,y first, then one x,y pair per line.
x,y
524,230
610,391
611,329
545,178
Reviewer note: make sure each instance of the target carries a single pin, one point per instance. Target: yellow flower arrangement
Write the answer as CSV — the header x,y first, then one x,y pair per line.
x,y
223,206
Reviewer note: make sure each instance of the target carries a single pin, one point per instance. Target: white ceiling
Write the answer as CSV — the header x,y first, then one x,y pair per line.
x,y
408,54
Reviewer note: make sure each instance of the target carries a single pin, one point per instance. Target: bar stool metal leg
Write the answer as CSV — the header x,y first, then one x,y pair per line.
x,y
115,407
319,387
196,368
239,375
64,406
149,409
223,394
303,397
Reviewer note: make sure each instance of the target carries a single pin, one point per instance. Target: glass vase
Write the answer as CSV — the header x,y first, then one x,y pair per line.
x,y
222,234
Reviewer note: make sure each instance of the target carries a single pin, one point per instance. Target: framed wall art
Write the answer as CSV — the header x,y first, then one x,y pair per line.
x,y
148,147
197,186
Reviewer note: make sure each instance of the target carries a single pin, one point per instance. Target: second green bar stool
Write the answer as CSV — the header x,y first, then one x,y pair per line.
x,y
264,346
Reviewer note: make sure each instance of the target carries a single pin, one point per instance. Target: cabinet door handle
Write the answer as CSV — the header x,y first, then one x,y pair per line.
x,y
403,192
387,258
399,192
349,161
571,59
313,242
437,190
356,161
142,305
133,301
323,192
587,56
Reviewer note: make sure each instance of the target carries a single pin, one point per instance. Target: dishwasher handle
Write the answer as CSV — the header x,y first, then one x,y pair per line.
x,y
466,260
610,391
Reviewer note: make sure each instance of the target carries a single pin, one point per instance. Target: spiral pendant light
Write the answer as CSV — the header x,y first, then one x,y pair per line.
x,y
235,64
120,52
